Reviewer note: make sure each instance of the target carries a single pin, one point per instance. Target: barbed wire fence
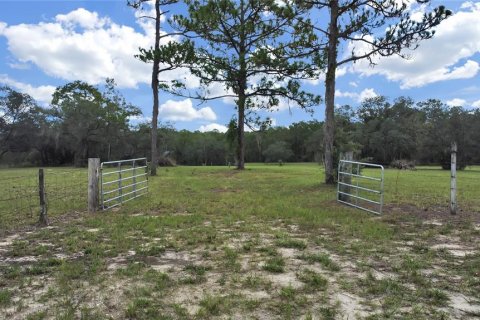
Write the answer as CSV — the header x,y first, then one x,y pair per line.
x,y
65,192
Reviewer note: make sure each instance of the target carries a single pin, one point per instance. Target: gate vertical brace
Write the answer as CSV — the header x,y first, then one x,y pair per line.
x,y
93,190
120,182
134,180
358,172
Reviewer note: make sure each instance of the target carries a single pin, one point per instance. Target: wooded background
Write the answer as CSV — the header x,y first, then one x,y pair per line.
x,y
85,121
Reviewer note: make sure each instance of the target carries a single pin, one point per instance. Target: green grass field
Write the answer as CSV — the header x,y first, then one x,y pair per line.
x,y
267,243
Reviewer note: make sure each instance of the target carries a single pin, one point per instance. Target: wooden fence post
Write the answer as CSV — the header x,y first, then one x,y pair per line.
x,y
43,219
453,180
93,175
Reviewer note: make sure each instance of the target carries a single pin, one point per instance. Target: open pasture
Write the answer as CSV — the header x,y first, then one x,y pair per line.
x,y
267,243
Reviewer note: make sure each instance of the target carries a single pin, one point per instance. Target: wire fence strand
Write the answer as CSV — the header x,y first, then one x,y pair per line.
x,y
66,192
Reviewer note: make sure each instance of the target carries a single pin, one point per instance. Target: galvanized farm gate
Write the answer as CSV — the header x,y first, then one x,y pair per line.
x,y
122,181
361,190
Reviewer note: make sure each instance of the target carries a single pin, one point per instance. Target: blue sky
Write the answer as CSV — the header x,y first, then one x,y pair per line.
x,y
44,44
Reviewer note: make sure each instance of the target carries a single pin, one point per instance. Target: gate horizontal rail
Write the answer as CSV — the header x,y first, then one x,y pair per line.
x,y
123,182
354,193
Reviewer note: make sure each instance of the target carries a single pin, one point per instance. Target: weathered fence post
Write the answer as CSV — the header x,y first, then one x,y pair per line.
x,y
93,174
43,219
453,180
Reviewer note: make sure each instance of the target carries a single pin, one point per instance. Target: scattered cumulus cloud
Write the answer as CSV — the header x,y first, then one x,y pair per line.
x,y
476,104
456,102
183,110
42,94
212,127
367,94
82,18
139,119
81,45
449,55
358,97
19,66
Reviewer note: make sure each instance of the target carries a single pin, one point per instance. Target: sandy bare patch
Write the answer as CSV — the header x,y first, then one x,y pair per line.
x,y
285,279
463,304
189,296
8,241
433,222
255,295
19,260
169,261
288,253
120,261
63,256
455,250
350,305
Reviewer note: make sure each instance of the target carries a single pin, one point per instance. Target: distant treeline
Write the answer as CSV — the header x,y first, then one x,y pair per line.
x,y
85,121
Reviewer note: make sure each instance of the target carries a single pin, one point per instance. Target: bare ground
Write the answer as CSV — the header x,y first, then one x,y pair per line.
x,y
246,269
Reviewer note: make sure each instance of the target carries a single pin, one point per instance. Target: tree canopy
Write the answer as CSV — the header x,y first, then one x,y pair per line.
x,y
252,51
364,29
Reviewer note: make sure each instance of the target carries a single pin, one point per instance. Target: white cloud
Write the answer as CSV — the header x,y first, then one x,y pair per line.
x,y
353,84
19,66
82,18
144,14
467,5
184,111
456,102
476,104
447,56
341,72
41,94
81,45
359,97
366,94
212,127
346,94
139,119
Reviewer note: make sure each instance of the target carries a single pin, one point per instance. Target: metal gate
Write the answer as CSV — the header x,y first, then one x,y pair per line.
x,y
360,185
122,181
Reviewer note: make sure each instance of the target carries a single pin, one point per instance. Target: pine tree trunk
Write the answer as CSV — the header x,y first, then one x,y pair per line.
x,y
242,89
329,128
241,132
156,67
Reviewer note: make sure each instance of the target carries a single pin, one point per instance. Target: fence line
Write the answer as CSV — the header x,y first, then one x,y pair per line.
x,y
65,191
427,188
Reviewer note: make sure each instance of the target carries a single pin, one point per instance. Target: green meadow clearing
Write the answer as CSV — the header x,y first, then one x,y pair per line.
x,y
267,243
